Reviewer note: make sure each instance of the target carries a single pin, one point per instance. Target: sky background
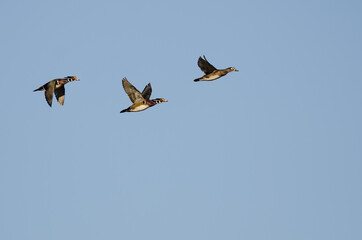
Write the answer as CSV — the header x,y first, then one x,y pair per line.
x,y
270,152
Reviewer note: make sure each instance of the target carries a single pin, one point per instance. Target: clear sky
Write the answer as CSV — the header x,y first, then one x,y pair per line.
x,y
270,152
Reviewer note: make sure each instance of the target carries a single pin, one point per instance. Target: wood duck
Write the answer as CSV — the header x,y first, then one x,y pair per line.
x,y
141,101
211,73
56,86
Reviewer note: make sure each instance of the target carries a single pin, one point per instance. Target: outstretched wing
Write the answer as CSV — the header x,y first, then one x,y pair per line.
x,y
49,90
146,93
60,94
205,66
133,94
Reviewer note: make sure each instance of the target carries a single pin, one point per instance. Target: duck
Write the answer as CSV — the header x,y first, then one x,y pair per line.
x,y
211,73
140,101
56,86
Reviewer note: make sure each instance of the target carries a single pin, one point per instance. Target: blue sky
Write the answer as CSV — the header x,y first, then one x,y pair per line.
x,y
270,152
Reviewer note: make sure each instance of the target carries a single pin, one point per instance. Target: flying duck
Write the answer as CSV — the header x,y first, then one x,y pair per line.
x,y
140,101
56,86
211,73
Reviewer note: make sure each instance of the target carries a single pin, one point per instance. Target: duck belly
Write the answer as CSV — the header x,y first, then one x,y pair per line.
x,y
210,77
139,108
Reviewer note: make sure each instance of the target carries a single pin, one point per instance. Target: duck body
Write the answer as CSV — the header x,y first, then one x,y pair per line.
x,y
141,101
136,107
211,73
56,86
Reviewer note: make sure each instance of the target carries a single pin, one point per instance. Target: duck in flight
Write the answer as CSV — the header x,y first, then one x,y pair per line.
x,y
211,73
56,86
140,101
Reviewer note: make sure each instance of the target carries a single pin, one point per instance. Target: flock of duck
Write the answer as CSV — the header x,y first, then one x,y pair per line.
x,y
140,101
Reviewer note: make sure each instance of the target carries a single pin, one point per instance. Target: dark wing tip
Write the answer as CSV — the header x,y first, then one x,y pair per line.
x,y
125,79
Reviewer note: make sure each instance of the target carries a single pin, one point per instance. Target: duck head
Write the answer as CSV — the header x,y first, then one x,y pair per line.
x,y
232,69
71,78
159,100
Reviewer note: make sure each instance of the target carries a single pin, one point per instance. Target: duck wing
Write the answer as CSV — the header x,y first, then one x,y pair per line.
x,y
132,92
205,66
146,93
49,90
60,94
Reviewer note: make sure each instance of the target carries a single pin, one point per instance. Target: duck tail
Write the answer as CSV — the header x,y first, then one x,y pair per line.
x,y
124,110
197,80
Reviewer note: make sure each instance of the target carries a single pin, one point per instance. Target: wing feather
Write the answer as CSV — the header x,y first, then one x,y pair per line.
x,y
132,92
60,94
205,66
146,93
49,90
